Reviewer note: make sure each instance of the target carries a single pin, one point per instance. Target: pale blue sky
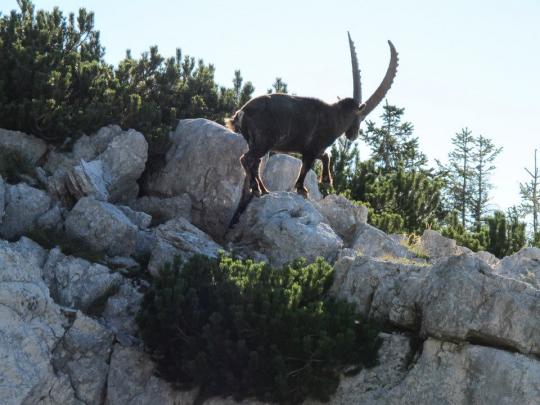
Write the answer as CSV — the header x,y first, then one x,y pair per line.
x,y
462,63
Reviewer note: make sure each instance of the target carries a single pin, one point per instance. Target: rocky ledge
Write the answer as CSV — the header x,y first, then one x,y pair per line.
x,y
78,236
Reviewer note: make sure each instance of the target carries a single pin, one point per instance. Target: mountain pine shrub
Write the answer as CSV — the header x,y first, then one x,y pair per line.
x,y
246,329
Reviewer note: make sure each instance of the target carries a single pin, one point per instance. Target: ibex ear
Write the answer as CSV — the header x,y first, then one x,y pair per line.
x,y
360,108
339,98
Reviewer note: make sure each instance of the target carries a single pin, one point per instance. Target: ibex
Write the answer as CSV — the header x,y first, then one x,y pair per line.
x,y
285,123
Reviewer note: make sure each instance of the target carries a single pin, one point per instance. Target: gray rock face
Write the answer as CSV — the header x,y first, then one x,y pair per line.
x,y
105,166
131,380
164,209
458,299
178,237
280,172
30,322
523,265
204,162
85,179
23,206
102,227
437,246
284,226
371,386
121,310
21,144
372,242
83,355
77,283
447,373
2,198
342,215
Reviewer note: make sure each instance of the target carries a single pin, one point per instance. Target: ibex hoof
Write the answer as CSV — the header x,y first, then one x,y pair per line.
x,y
303,192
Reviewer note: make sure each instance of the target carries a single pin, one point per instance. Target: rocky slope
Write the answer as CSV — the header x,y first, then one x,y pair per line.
x,y
463,327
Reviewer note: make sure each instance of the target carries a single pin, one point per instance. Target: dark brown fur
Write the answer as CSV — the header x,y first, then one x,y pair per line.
x,y
284,123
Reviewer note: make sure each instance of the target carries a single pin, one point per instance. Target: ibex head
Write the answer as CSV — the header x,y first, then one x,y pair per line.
x,y
377,96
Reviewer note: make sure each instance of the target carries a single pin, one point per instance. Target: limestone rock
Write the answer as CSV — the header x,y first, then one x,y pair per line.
x,y
280,172
29,147
102,227
178,237
523,265
2,198
371,386
141,219
342,215
83,355
105,166
203,161
54,389
23,206
458,299
31,324
372,242
437,246
132,381
121,309
77,283
447,373
86,179
164,209
284,226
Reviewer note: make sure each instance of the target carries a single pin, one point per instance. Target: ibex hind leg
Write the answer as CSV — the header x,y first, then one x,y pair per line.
x,y
307,162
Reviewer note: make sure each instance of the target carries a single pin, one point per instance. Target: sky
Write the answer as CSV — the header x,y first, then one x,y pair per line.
x,y
472,64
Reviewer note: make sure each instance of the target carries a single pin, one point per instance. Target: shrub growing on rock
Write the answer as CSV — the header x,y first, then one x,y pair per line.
x,y
245,329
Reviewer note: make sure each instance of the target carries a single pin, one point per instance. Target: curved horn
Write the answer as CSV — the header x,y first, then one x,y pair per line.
x,y
385,85
357,86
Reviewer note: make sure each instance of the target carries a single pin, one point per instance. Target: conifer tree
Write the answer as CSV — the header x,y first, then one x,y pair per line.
x,y
483,155
459,173
392,143
279,86
530,197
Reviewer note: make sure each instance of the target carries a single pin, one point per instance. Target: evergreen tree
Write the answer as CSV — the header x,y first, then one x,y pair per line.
x,y
483,155
401,195
530,197
392,144
506,234
459,173
279,86
345,157
54,82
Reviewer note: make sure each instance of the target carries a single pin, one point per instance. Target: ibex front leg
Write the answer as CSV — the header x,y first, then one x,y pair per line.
x,y
326,177
307,162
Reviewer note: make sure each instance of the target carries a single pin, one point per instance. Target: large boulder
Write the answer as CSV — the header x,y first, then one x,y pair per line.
x,y
449,373
83,354
121,309
372,242
163,209
523,265
102,227
23,206
342,215
105,166
178,237
132,380
458,299
76,283
31,324
284,226
280,172
30,148
371,386
203,160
